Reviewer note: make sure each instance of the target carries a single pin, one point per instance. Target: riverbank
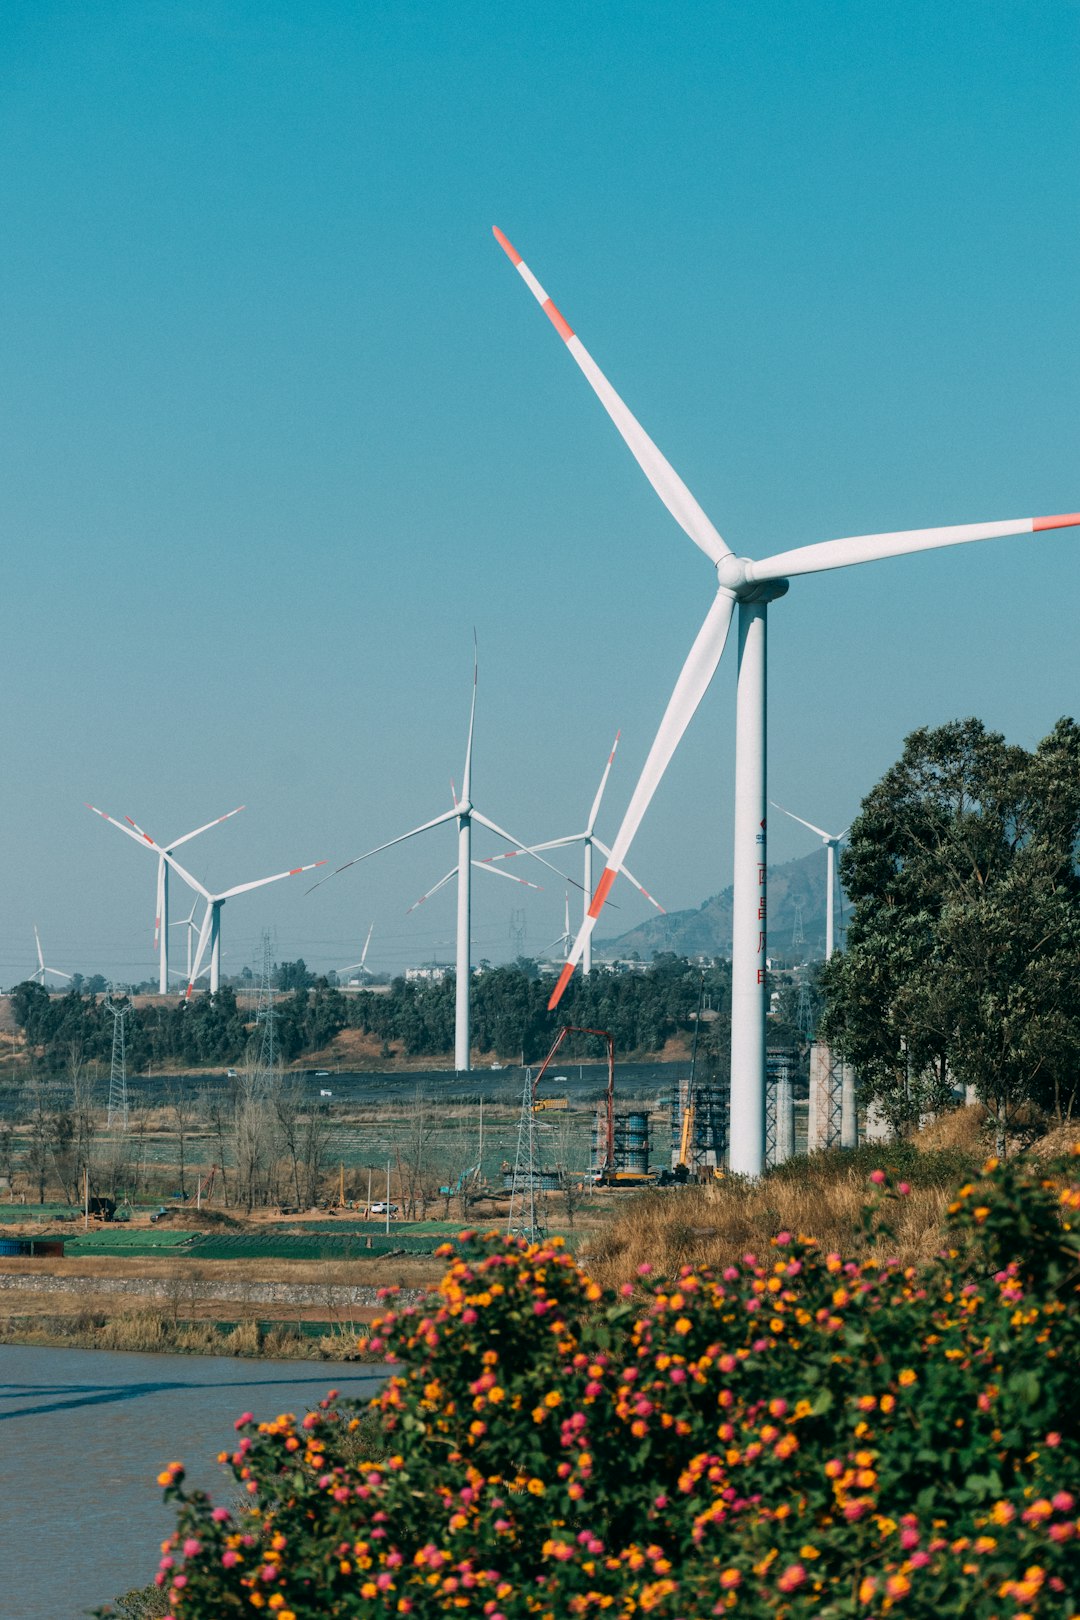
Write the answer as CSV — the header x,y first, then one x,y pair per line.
x,y
152,1333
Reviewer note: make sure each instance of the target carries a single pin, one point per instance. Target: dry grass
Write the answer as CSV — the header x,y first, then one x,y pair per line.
x,y
151,1332
715,1224
820,1197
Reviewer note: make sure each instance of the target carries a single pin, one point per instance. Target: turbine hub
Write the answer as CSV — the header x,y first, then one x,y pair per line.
x,y
733,574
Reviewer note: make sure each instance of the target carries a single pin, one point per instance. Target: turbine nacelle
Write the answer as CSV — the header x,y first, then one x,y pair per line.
x,y
735,574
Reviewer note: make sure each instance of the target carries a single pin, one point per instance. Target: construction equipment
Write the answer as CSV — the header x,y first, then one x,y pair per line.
x,y
686,1136
607,1169
561,1104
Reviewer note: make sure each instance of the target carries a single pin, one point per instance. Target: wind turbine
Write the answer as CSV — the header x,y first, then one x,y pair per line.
x,y
590,841
161,910
464,812
751,586
210,932
41,970
358,967
832,844
192,927
161,917
566,938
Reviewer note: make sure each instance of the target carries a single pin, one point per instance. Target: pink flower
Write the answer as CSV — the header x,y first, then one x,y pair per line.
x,y
246,1417
230,1558
792,1577
903,1188
644,1269
878,1177
1063,1501
192,1547
219,1515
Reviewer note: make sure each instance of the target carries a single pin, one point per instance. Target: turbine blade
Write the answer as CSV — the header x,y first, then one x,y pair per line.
x,y
204,937
660,473
434,890
809,824
367,942
448,815
512,877
160,900
524,848
40,957
260,883
466,780
630,878
603,784
862,548
690,688
215,823
531,849
129,832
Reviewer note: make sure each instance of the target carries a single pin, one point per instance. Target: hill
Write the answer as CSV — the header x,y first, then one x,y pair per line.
x,y
796,894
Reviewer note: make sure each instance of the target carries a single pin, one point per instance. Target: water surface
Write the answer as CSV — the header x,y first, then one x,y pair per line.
x,y
83,1435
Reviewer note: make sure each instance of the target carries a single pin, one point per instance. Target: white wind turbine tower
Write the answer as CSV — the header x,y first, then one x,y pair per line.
x,y
210,932
358,967
832,843
41,970
464,813
750,586
589,841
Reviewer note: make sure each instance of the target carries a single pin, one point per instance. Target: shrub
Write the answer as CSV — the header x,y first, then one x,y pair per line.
x,y
797,1436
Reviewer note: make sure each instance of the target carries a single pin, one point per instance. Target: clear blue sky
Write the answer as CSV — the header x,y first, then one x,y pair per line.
x,y
280,425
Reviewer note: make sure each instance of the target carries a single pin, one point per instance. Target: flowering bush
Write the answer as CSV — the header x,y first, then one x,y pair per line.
x,y
802,1435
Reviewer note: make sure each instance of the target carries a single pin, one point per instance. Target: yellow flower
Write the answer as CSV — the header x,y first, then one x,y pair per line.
x,y
908,1376
552,1398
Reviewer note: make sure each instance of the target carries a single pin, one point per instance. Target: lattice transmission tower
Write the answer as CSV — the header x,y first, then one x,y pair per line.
x,y
118,1098
525,1217
518,932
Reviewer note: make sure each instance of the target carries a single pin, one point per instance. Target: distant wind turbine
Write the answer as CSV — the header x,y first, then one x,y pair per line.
x,y
832,843
464,812
41,970
589,840
210,932
358,967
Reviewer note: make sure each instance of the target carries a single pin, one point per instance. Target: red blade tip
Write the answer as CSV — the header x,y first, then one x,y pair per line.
x,y
507,246
1066,520
564,979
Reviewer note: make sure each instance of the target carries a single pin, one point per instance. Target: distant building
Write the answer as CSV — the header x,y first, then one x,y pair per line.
x,y
427,975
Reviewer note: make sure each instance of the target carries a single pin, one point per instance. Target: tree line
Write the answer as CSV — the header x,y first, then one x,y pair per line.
x,y
643,1010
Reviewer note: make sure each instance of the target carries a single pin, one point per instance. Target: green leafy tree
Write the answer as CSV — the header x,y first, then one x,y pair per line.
x,y
962,965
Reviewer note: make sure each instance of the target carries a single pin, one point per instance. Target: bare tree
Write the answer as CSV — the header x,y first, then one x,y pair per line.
x,y
287,1098
183,1108
315,1145
251,1138
219,1108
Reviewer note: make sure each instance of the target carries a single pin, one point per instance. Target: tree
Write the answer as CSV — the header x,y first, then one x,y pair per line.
x,y
962,965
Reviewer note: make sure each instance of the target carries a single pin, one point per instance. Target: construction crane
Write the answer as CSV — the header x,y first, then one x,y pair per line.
x,y
607,1169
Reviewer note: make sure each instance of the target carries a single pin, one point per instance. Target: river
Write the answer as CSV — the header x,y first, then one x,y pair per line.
x,y
83,1435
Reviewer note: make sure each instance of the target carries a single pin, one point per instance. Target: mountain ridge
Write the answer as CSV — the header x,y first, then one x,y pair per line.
x,y
796,904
